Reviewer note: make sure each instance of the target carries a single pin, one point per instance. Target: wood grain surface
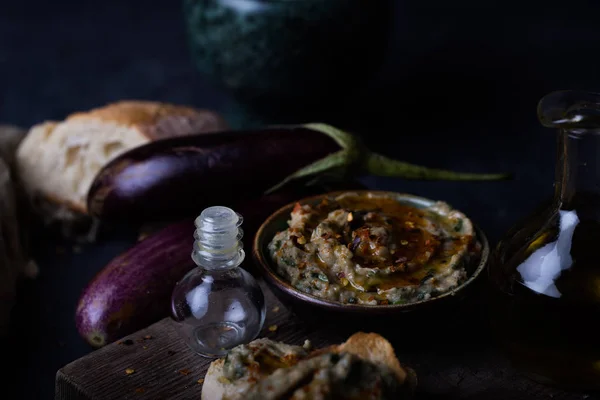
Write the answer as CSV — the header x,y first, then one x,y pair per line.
x,y
457,362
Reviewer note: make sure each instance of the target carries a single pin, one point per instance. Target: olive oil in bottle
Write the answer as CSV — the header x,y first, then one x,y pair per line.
x,y
545,275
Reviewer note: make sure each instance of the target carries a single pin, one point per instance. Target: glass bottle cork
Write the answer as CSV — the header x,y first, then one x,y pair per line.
x,y
218,305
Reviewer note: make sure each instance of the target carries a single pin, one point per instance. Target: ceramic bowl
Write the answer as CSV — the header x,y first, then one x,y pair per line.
x,y
307,304
278,53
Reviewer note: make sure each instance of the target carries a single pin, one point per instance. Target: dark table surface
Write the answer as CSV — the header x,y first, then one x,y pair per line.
x,y
467,75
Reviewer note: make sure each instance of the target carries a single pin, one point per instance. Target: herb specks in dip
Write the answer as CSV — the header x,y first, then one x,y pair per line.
x,y
371,249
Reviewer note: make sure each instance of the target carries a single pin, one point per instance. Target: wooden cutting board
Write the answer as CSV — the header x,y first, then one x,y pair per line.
x,y
155,363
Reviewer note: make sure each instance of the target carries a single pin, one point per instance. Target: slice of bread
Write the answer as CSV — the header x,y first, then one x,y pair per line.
x,y
57,161
370,347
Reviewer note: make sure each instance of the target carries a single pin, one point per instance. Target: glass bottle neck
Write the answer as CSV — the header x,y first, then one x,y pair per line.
x,y
221,262
218,237
578,169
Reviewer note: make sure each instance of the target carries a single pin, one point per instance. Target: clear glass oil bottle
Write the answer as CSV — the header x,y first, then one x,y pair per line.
x,y
545,274
218,305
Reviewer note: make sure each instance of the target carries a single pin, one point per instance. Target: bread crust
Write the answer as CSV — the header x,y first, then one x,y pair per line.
x,y
152,119
376,349
211,386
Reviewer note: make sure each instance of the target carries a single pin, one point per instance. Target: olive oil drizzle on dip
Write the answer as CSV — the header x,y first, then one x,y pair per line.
x,y
371,249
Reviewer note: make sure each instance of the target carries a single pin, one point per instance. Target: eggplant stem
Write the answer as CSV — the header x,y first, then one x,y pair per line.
x,y
332,161
355,155
344,139
380,165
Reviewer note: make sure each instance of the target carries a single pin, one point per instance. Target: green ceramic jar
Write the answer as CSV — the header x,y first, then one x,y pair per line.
x,y
282,54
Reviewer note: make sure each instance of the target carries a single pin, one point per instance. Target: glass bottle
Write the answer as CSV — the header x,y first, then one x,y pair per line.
x,y
218,305
545,274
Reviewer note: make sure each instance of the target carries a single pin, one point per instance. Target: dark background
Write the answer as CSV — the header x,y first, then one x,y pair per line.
x,y
459,90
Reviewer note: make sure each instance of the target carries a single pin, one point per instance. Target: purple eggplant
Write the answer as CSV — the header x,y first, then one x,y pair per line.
x,y
134,289
177,177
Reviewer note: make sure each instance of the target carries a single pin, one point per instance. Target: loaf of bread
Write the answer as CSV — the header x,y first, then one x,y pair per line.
x,y
57,161
365,366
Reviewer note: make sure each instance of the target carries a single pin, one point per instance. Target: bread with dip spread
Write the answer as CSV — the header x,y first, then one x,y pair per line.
x,y
365,366
57,161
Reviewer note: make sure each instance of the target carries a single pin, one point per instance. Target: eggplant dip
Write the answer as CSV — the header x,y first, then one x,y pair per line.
x,y
371,249
363,367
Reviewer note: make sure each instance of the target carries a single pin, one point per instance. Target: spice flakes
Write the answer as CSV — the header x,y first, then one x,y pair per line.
x,y
143,339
